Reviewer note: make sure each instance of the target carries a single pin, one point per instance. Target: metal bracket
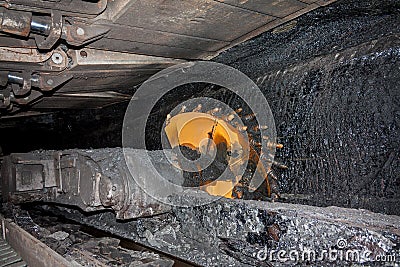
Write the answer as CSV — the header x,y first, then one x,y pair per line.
x,y
79,33
21,86
34,95
48,82
26,85
48,42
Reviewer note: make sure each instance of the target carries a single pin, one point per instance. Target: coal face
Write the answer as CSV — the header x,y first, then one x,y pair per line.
x,y
332,79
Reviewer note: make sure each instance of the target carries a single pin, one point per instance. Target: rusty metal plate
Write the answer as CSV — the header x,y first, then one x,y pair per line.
x,y
83,8
103,59
23,55
202,18
277,8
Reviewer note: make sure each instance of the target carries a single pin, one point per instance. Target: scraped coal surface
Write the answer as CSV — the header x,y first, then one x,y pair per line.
x,y
332,79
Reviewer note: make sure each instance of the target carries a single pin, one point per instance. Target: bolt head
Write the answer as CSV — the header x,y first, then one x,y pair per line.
x,y
80,31
50,82
57,58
